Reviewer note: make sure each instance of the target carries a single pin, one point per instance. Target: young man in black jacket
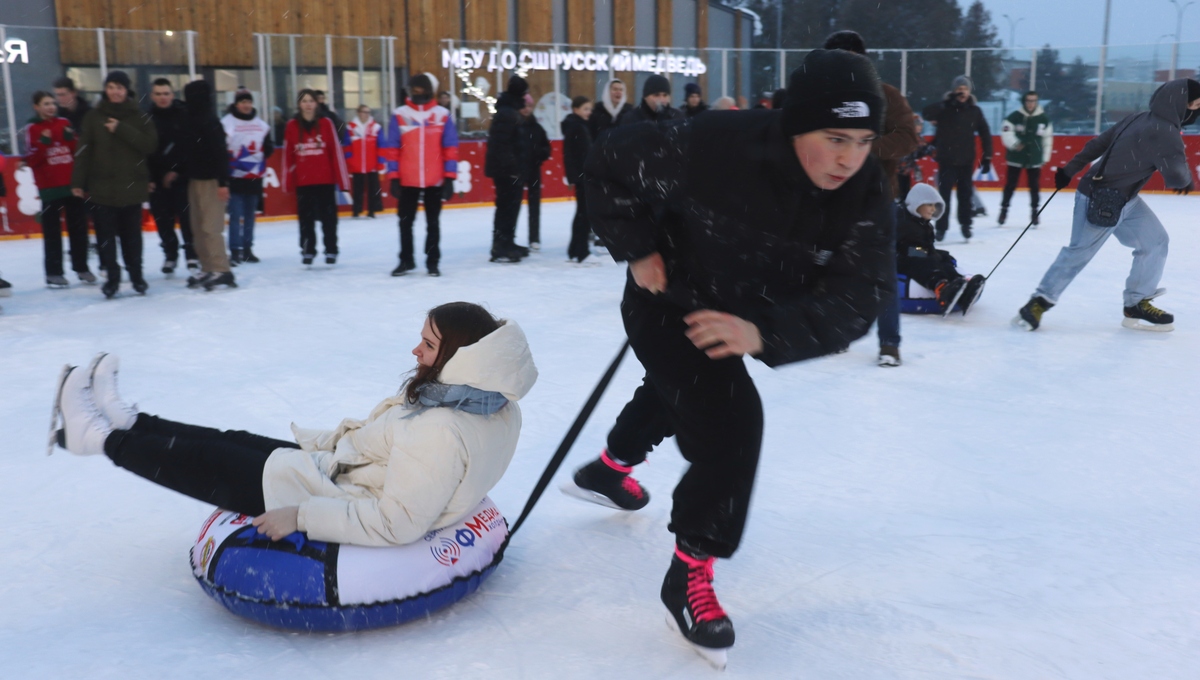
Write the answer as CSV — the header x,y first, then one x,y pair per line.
x,y
503,164
577,141
206,164
958,119
656,103
168,187
610,108
760,233
535,150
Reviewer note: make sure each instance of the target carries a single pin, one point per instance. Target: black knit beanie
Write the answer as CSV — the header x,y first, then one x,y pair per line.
x,y
656,84
833,89
517,86
242,94
119,77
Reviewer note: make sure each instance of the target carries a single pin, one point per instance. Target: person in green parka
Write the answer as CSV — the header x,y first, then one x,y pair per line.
x,y
111,169
1028,138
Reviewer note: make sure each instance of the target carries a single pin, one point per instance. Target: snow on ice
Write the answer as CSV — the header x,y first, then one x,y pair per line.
x,y
1004,505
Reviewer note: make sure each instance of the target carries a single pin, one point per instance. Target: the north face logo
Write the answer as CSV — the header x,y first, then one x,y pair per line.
x,y
853,110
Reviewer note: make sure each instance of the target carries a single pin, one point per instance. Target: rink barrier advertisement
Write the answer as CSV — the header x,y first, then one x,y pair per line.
x,y
472,188
301,584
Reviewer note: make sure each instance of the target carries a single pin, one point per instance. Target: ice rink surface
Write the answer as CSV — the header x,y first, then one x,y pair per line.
x,y
1004,505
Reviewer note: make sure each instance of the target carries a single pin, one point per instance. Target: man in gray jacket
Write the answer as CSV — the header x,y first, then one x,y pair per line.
x,y
1134,148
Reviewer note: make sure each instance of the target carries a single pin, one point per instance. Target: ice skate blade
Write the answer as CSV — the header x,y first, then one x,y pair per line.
x,y
1018,322
1136,325
56,438
717,657
888,362
570,488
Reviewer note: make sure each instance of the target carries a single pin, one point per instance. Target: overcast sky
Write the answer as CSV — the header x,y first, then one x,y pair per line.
x,y
1081,22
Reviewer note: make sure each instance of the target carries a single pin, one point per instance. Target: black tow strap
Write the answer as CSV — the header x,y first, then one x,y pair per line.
x,y
1014,245
565,447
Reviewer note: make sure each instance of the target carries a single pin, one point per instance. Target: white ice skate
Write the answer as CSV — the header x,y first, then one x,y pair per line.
x,y
716,657
56,412
103,370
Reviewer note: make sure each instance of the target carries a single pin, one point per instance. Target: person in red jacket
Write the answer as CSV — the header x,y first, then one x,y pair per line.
x,y
50,141
314,166
421,151
363,158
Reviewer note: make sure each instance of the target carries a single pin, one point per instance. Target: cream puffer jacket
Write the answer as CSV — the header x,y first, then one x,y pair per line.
x,y
405,471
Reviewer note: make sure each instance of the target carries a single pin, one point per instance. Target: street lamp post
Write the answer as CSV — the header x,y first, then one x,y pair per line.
x,y
1154,74
1012,29
1178,33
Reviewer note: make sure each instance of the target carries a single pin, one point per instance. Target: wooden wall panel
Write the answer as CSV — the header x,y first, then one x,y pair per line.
x,y
581,30
702,43
431,21
536,19
664,23
486,20
624,35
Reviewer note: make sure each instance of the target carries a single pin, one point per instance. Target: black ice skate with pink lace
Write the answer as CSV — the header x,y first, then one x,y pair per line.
x,y
606,482
694,610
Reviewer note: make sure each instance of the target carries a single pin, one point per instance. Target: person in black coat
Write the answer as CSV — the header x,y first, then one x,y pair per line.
x,y
535,150
206,165
958,119
503,164
577,140
760,233
656,103
613,104
168,186
70,105
694,101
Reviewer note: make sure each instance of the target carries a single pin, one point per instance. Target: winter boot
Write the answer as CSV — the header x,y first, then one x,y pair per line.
x,y
110,288
506,253
1033,217
889,356
307,259
1030,316
193,265
84,426
59,281
971,293
1003,215
606,482
403,268
433,270
330,258
236,257
249,256
966,232
140,286
948,293
688,594
104,392
221,279
941,234
1155,319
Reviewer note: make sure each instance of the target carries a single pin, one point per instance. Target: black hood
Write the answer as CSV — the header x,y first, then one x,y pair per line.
x,y
510,100
198,97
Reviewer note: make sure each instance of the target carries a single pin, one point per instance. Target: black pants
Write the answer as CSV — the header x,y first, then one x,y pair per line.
x,y
1014,178
903,184
409,198
224,468
580,228
713,410
368,182
508,209
75,210
168,205
534,192
125,223
930,270
949,178
317,202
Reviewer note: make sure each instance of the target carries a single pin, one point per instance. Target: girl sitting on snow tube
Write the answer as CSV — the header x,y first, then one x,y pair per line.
x,y
421,461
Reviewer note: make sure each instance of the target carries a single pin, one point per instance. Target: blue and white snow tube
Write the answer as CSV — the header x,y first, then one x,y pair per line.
x,y
915,298
317,586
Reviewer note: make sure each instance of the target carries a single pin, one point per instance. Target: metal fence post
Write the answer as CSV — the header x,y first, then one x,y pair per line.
x,y
103,54
1033,71
724,73
361,91
968,66
1103,65
391,45
191,52
262,76
330,91
904,72
782,69
13,147
292,59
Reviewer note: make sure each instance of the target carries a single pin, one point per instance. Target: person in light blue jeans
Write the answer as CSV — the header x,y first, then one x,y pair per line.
x,y
1129,152
1138,228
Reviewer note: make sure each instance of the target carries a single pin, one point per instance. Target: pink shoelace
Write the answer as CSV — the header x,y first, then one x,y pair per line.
x,y
701,597
629,484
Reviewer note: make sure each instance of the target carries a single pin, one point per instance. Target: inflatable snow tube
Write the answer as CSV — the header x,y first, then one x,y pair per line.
x,y
317,586
915,298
